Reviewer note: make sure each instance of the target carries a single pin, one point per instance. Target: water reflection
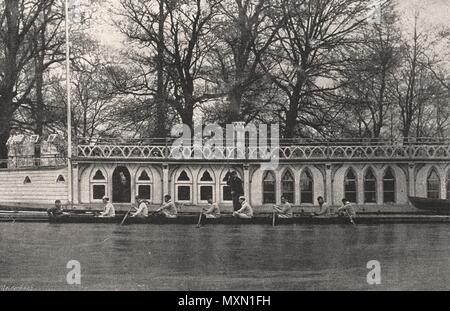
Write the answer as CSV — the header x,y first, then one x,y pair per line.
x,y
182,257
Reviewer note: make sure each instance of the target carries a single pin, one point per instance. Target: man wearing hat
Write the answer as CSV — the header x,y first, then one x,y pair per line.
x,y
235,184
142,208
109,210
246,210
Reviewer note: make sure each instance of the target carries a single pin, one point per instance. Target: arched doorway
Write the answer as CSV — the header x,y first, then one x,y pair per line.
x,y
121,185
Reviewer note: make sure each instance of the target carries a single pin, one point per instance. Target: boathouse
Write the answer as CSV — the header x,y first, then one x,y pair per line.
x,y
378,175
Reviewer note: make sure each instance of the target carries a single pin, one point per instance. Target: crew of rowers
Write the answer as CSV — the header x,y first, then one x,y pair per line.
x,y
242,208
169,210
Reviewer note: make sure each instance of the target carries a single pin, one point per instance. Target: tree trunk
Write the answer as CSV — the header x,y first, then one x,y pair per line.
x,y
234,111
291,118
7,92
161,108
39,108
5,128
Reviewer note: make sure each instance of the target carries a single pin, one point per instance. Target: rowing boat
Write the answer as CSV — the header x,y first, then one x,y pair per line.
x,y
435,206
225,219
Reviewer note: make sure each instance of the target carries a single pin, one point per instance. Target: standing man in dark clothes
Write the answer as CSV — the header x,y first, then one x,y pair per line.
x,y
237,189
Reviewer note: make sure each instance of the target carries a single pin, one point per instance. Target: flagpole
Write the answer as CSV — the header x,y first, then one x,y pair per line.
x,y
69,110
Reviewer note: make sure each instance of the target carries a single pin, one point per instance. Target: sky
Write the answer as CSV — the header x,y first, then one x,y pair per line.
x,y
431,13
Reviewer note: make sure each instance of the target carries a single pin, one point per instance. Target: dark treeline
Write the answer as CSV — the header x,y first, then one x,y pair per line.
x,y
319,68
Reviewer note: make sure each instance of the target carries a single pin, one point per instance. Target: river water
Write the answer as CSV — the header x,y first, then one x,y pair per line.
x,y
224,257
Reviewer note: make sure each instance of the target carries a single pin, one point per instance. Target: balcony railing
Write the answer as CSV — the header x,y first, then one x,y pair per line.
x,y
292,149
31,162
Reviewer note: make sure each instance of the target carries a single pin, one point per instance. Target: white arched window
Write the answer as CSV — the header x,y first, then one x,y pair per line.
x,y
206,186
433,185
144,185
98,185
288,185
183,186
306,187
350,186
370,187
389,186
269,187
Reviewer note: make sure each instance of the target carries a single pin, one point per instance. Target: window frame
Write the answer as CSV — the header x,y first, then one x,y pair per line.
x,y
306,171
97,182
438,190
267,173
355,181
394,180
375,183
184,183
206,183
283,183
144,183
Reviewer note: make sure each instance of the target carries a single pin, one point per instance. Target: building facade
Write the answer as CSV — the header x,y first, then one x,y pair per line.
x,y
376,175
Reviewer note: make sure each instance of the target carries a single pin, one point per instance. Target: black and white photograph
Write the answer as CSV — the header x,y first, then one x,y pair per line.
x,y
224,145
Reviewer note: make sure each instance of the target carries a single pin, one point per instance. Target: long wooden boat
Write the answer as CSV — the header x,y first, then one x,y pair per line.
x,y
435,206
226,219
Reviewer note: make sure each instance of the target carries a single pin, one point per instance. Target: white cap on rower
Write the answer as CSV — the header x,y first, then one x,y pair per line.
x,y
241,197
105,197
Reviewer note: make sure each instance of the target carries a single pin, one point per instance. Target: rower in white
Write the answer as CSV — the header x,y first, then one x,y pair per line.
x,y
323,207
168,209
142,208
347,210
213,210
109,210
246,210
285,210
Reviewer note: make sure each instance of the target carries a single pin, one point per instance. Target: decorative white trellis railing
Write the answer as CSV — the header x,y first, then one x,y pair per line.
x,y
417,149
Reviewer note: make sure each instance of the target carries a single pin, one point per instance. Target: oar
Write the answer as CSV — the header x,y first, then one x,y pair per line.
x,y
351,219
200,218
126,216
274,217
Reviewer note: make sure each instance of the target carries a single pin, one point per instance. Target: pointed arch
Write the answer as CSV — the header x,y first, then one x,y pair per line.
x,y
288,185
183,186
389,186
433,184
306,186
144,176
370,186
144,184
60,179
98,183
206,185
183,176
99,175
121,185
269,187
350,185
206,177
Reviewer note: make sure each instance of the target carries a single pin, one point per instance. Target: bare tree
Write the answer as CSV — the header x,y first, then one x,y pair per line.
x,y
415,83
17,21
244,34
369,78
179,33
305,60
